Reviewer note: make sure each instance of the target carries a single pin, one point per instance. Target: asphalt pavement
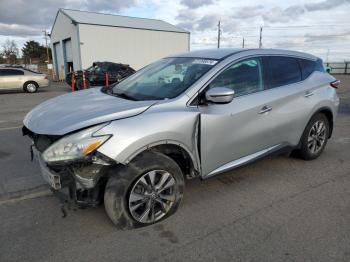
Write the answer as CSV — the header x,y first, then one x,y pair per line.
x,y
276,209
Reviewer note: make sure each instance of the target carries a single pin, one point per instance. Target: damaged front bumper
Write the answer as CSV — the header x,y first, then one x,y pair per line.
x,y
78,182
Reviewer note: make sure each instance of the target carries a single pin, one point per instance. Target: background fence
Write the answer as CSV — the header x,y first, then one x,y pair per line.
x,y
338,67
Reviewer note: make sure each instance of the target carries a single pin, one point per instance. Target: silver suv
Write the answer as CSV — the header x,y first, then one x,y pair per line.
x,y
196,114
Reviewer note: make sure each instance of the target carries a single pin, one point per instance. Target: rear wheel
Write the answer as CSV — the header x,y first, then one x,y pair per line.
x,y
146,191
30,87
315,137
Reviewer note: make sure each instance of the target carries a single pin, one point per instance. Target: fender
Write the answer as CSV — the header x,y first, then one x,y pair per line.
x,y
158,128
194,158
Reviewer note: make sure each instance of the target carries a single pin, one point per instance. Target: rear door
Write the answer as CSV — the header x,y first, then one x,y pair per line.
x,y
287,94
11,78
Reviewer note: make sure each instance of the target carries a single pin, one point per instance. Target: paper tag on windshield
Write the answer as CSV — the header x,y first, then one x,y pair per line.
x,y
204,61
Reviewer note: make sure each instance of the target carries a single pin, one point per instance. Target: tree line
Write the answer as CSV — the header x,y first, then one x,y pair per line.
x,y
32,52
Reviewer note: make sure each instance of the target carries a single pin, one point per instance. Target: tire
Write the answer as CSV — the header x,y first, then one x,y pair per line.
x,y
79,85
311,140
127,183
30,87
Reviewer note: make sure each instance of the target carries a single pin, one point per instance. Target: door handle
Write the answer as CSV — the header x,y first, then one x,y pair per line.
x,y
265,109
308,93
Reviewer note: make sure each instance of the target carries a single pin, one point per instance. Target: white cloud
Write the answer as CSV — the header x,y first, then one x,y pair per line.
x,y
197,3
285,24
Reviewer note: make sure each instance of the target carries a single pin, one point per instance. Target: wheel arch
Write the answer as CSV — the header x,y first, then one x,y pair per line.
x,y
177,152
329,114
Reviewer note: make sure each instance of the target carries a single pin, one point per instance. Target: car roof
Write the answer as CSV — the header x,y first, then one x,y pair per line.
x,y
11,68
222,53
218,53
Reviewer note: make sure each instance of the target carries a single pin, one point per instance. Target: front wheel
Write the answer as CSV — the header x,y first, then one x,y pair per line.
x,y
315,137
144,192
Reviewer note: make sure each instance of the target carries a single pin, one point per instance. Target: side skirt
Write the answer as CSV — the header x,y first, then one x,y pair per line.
x,y
247,159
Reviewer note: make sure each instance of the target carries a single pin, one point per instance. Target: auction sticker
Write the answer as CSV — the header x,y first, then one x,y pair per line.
x,y
205,61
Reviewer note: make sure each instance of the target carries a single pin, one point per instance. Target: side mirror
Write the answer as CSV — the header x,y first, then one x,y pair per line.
x,y
219,95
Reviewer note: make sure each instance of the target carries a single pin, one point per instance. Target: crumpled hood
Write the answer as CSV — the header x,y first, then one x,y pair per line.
x,y
70,112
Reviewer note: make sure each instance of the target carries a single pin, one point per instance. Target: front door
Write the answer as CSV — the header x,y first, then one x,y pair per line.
x,y
240,128
10,78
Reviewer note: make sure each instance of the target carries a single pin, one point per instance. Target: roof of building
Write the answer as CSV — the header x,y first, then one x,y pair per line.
x,y
222,53
93,18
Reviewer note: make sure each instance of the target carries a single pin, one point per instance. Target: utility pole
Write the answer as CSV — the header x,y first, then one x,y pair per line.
x,y
47,48
327,55
243,42
260,38
219,33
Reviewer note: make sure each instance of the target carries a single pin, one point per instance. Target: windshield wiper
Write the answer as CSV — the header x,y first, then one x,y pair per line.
x,y
123,95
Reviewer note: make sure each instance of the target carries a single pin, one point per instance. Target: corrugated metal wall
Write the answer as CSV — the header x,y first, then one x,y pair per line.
x,y
135,47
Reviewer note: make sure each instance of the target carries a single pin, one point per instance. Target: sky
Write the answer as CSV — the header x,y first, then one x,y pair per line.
x,y
320,27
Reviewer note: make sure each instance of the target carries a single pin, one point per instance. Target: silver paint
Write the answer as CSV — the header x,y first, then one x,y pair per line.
x,y
225,133
70,112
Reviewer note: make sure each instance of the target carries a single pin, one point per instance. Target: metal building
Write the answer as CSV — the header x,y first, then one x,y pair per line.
x,y
79,38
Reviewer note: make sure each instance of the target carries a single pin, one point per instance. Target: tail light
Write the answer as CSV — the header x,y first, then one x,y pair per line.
x,y
335,84
46,77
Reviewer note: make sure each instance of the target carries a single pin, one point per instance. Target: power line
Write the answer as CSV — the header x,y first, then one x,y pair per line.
x,y
294,26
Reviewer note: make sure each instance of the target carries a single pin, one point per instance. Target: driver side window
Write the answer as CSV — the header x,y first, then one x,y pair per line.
x,y
244,77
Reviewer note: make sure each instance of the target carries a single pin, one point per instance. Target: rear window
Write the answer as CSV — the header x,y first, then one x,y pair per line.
x,y
11,72
283,71
31,71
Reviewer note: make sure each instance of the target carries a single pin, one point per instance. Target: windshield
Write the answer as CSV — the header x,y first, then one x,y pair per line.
x,y
97,68
164,79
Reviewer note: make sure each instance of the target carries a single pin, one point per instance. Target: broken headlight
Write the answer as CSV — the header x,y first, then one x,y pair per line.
x,y
76,146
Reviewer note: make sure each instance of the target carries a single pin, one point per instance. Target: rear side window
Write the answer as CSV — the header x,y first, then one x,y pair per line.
x,y
114,68
283,71
319,65
11,72
307,67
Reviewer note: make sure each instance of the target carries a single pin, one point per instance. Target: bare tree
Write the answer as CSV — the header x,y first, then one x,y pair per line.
x,y
9,51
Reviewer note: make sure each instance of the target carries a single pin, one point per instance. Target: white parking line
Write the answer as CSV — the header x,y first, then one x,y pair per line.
x,y
9,128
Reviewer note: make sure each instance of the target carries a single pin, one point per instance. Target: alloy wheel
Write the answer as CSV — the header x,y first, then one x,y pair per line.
x,y
152,196
316,137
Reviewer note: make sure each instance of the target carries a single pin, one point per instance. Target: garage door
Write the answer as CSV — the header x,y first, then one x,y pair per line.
x,y
68,48
58,58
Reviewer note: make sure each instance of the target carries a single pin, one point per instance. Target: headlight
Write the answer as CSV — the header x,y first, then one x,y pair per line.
x,y
76,146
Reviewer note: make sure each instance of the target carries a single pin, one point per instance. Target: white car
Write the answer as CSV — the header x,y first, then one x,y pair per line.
x,y
20,78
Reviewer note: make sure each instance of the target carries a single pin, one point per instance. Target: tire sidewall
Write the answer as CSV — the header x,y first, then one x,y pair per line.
x,y
122,179
304,150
